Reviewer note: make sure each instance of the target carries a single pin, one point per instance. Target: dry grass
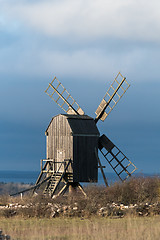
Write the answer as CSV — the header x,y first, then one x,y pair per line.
x,y
10,188
35,223
135,191
75,228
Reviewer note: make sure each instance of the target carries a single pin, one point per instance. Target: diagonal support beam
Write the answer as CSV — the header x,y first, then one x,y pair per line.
x,y
100,165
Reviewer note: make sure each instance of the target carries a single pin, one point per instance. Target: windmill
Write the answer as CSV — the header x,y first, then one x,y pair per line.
x,y
73,141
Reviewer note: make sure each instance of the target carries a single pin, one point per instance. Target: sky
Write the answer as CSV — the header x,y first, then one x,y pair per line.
x,y
84,44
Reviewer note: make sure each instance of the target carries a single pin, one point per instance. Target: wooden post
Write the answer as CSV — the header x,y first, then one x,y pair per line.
x,y
81,188
100,165
73,188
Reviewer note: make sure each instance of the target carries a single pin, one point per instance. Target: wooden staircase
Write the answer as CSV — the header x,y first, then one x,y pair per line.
x,y
52,183
52,179
58,177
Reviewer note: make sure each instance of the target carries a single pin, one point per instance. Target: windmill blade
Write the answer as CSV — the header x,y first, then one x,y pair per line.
x,y
62,97
122,166
112,97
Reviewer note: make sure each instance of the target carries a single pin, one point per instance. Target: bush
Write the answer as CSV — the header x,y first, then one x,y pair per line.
x,y
134,191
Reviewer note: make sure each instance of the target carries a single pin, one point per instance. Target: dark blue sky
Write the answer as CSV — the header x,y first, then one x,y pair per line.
x,y
85,44
133,125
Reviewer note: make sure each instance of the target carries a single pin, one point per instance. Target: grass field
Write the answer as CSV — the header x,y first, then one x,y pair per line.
x,y
128,228
32,218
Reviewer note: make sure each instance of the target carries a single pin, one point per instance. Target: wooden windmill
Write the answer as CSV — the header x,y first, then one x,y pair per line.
x,y
73,141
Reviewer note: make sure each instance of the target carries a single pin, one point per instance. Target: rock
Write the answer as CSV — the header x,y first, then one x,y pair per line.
x,y
103,209
7,237
103,212
4,237
54,213
75,208
126,207
50,204
140,213
65,208
59,210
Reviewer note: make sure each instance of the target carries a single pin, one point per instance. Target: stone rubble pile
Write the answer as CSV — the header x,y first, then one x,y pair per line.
x,y
111,209
120,210
4,236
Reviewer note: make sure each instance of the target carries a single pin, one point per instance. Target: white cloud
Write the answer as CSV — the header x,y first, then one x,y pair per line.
x,y
133,21
137,65
88,64
125,19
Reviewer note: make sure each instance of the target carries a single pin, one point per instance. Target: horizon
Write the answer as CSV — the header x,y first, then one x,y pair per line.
x,y
30,177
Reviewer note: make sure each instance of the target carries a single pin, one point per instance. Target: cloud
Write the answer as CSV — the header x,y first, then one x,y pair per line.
x,y
80,39
92,19
96,65
85,64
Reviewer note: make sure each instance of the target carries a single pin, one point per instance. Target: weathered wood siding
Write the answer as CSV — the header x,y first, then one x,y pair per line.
x,y
60,141
76,138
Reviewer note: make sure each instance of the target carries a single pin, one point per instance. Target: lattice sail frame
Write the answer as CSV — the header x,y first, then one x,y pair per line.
x,y
112,97
122,166
61,96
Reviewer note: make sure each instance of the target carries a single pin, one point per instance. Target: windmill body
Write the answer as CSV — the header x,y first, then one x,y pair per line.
x,y
73,141
74,137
